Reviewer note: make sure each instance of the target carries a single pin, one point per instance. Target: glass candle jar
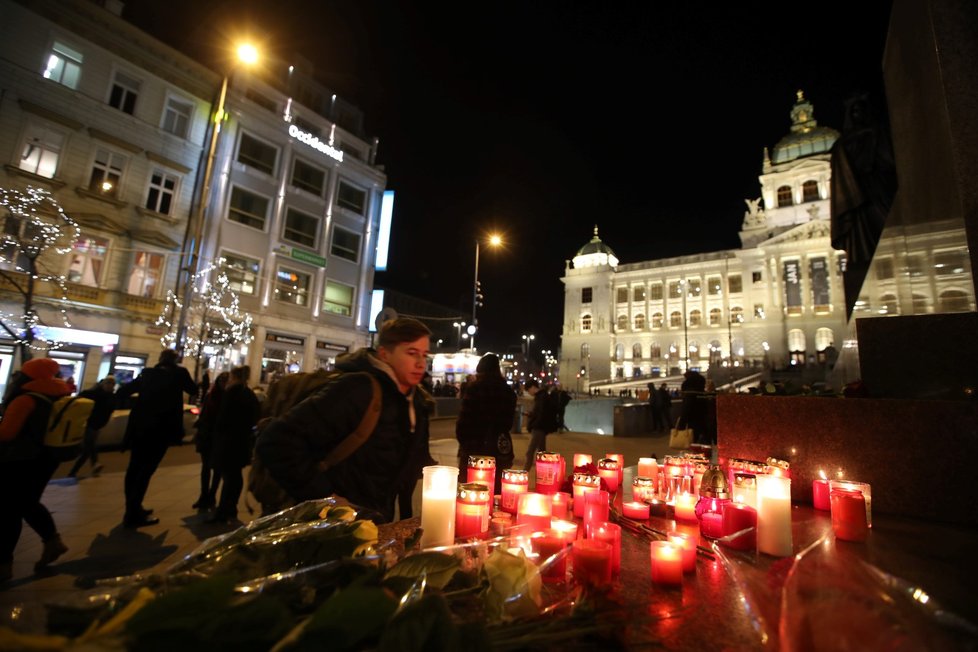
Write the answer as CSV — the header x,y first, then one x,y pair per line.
x,y
471,510
438,491
548,472
482,468
583,483
534,509
514,482
709,511
608,470
643,489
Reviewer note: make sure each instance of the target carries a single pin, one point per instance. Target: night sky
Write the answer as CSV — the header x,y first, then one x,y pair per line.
x,y
541,119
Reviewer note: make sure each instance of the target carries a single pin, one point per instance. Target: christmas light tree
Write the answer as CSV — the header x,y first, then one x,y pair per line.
x,y
36,233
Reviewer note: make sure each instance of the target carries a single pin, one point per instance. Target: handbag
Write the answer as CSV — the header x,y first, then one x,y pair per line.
x,y
680,437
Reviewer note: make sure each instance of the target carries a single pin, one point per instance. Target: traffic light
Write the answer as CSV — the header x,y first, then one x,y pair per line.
x,y
478,294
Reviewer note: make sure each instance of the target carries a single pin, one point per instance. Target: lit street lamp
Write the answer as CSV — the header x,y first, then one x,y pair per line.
x,y
459,325
494,241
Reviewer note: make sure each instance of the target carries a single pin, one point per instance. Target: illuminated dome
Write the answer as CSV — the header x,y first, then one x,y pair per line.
x,y
595,253
806,137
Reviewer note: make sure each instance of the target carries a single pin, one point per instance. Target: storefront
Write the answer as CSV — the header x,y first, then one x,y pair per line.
x,y
327,353
282,354
126,367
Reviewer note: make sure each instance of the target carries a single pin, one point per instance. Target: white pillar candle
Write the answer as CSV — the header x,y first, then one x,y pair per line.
x,y
774,515
438,491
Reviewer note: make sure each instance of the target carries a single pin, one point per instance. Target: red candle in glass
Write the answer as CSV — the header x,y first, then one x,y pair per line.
x,y
608,470
618,457
534,510
560,504
635,510
738,517
687,544
583,483
471,510
667,563
514,482
566,530
820,492
592,562
643,489
548,472
849,515
597,509
482,469
610,533
547,545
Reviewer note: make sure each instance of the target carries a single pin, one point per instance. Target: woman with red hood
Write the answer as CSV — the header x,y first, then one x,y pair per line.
x,y
25,465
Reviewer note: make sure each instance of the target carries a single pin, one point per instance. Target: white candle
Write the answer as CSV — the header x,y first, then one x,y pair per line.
x,y
439,488
774,515
648,468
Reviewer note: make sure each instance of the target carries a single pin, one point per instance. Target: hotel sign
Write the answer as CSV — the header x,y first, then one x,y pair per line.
x,y
314,142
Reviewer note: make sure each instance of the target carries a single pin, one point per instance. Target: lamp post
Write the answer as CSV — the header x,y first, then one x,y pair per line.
x,y
190,261
459,325
494,241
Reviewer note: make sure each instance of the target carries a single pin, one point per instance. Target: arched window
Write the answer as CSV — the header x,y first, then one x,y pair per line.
x,y
585,351
640,322
695,318
952,301
809,191
796,340
888,305
655,351
737,315
622,322
586,323
636,352
716,353
784,196
716,315
657,320
920,304
823,339
675,319
619,352
694,350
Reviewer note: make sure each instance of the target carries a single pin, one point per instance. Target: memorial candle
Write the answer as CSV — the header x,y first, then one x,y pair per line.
x,y
608,470
687,544
567,530
610,533
581,459
736,518
597,509
471,510
636,510
861,487
534,510
820,492
745,489
482,469
648,467
560,504
583,483
438,488
514,482
548,472
848,515
774,515
667,565
546,546
592,562
686,507
618,457
643,489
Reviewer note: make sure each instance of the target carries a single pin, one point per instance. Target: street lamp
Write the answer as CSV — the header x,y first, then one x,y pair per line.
x,y
459,325
526,344
190,261
494,241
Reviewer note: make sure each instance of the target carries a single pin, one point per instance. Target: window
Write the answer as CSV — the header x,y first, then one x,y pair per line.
x,y
784,196
915,266
248,208
675,290
823,339
888,305
41,151
63,65
884,268
585,351
675,319
655,292
338,298
809,191
162,188
636,351
300,228
257,154
106,172
953,301
638,293
87,260
586,323
144,279
734,284
657,320
346,244
695,318
756,276
640,322
176,117
759,311
292,286
621,296
737,315
585,295
308,177
716,316
655,351
622,322
619,352
713,286
125,90
796,340
947,263
920,304
242,272
351,198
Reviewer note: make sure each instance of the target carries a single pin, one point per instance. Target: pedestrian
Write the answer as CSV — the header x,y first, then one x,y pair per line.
x,y
155,421
295,447
210,477
693,414
204,387
26,465
486,417
541,420
234,433
663,400
103,395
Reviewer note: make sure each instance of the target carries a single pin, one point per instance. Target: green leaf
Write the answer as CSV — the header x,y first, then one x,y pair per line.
x,y
186,609
438,567
422,626
348,618
253,625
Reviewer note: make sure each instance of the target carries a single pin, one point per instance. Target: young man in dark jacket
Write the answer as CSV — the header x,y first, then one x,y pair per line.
x,y
103,395
540,421
293,446
486,416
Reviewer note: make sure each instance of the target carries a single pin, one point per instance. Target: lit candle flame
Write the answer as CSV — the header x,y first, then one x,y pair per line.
x,y
822,475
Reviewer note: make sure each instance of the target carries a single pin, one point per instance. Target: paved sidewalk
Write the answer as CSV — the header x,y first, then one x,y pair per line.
x,y
89,515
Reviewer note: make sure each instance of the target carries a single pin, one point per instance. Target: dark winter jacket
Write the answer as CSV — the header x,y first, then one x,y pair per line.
x,y
234,428
488,406
544,414
104,405
157,412
292,446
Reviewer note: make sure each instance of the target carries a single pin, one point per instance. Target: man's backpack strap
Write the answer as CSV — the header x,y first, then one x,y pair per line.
x,y
362,433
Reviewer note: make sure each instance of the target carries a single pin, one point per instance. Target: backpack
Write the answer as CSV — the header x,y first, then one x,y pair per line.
x,y
282,396
67,422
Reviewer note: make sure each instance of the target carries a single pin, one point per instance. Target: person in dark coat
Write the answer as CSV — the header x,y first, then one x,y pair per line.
x,y
103,395
486,417
26,465
541,420
210,477
693,413
292,446
234,433
156,421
